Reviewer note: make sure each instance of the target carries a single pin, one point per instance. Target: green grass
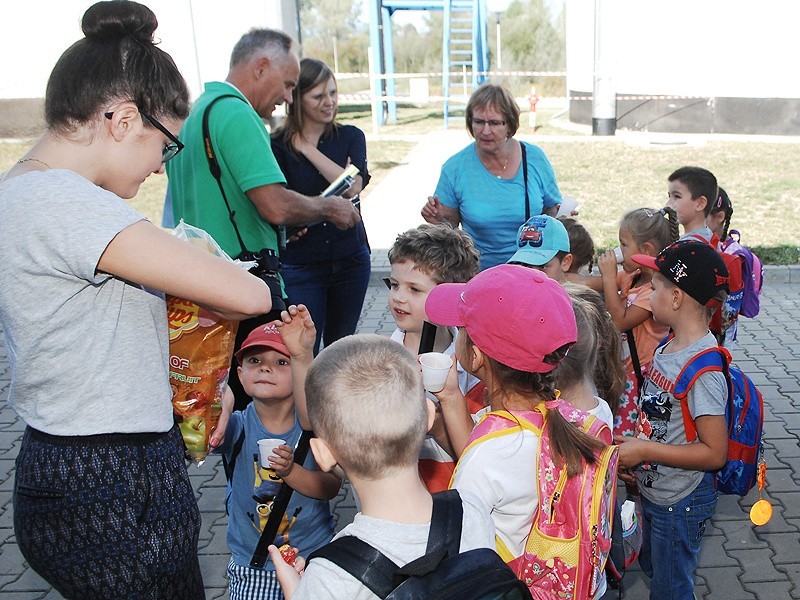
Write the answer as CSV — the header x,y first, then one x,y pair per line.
x,y
612,177
777,255
608,177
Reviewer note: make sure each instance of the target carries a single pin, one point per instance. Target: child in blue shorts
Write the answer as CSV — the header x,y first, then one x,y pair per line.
x,y
678,496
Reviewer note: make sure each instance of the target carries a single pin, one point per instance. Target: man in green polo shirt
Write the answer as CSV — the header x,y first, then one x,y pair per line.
x,y
264,70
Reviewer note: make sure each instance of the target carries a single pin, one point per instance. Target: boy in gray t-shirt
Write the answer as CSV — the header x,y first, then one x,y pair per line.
x,y
366,403
678,496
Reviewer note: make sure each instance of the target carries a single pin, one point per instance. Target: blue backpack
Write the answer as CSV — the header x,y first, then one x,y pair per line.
x,y
744,414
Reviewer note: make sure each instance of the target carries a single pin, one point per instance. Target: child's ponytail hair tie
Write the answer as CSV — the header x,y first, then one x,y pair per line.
x,y
553,404
663,213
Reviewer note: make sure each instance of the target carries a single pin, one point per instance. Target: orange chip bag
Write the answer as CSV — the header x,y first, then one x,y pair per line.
x,y
200,351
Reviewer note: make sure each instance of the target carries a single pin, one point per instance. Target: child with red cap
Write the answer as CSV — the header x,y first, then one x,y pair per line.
x,y
515,325
266,374
678,497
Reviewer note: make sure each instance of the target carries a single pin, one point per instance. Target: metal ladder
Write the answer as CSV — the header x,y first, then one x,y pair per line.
x,y
464,51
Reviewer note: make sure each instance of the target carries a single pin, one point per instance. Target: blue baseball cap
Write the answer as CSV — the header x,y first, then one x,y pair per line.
x,y
539,239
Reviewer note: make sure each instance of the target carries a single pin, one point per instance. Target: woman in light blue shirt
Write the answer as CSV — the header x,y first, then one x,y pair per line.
x,y
486,187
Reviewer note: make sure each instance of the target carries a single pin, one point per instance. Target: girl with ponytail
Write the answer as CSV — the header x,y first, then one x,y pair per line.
x,y
627,295
515,326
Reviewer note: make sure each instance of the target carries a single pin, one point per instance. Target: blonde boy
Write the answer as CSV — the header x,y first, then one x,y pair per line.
x,y
367,406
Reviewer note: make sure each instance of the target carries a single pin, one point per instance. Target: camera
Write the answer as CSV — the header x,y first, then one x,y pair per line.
x,y
267,269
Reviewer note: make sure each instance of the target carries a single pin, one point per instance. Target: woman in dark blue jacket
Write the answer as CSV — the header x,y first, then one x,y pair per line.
x,y
326,269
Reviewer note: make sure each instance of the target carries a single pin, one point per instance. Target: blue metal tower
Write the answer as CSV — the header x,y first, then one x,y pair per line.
x,y
465,51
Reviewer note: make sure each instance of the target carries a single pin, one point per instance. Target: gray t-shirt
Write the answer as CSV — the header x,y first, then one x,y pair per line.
x,y
401,542
661,419
88,352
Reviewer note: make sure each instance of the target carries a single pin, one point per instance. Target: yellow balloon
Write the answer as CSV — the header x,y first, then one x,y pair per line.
x,y
761,512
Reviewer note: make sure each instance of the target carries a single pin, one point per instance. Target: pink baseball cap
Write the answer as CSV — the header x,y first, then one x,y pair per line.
x,y
514,314
265,336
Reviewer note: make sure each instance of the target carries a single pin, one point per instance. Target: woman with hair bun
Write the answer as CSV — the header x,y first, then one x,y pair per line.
x,y
103,506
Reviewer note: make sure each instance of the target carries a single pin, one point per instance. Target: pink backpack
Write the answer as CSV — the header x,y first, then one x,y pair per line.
x,y
570,538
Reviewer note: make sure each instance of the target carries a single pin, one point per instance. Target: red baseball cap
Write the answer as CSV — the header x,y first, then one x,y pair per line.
x,y
514,314
265,336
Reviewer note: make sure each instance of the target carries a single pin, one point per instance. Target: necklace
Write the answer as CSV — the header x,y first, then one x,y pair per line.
x,y
32,159
502,170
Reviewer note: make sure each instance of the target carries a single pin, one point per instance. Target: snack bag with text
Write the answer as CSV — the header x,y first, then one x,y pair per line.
x,y
200,350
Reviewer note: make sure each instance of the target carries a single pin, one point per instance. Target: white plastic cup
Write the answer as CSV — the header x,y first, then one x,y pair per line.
x,y
265,447
435,367
568,204
618,254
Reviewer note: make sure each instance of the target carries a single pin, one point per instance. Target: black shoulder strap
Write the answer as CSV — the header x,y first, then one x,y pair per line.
x,y
637,367
525,181
229,464
213,164
364,562
381,575
279,506
448,513
427,338
216,171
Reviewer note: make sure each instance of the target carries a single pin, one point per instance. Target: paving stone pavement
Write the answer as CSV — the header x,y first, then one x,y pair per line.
x,y
739,561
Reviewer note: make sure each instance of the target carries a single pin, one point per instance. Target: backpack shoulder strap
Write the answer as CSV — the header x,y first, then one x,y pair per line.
x,y
448,514
364,562
498,423
228,464
698,238
709,360
444,537
502,422
380,574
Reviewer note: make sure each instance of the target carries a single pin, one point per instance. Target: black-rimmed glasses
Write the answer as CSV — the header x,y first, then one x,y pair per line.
x,y
170,149
492,123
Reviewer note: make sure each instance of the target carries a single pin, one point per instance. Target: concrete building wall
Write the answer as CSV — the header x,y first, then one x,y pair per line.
x,y
726,65
38,31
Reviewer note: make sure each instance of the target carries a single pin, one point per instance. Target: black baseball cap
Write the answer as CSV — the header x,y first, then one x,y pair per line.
x,y
695,267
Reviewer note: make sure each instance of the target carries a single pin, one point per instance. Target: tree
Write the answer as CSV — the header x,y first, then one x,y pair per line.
x,y
417,52
530,37
329,23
